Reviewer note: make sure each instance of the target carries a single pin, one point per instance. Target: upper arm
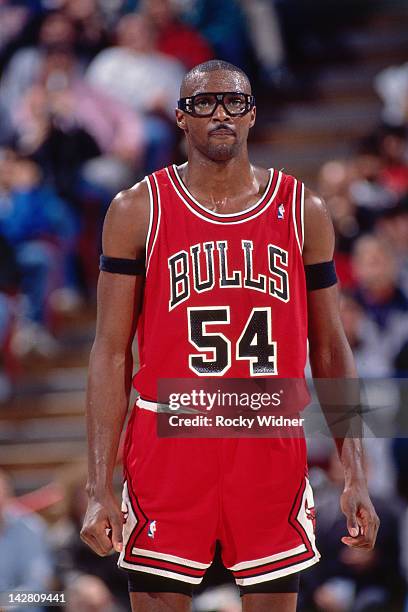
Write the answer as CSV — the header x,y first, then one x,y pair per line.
x,y
119,296
324,323
319,232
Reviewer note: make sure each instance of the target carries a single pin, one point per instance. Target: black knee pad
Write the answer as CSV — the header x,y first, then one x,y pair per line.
x,y
142,582
287,584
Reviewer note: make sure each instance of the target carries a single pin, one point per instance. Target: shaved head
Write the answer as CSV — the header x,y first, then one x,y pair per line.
x,y
192,78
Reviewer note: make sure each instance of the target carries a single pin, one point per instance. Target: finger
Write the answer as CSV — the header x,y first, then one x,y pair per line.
x,y
100,548
103,536
352,523
116,522
97,536
92,541
359,542
370,525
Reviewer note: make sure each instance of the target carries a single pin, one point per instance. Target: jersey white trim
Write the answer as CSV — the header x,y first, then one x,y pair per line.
x,y
295,188
151,219
302,214
223,215
181,196
151,209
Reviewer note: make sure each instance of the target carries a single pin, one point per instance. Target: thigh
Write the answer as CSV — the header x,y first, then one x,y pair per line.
x,y
160,602
170,501
269,602
267,510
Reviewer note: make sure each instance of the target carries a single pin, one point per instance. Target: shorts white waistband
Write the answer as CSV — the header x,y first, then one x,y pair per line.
x,y
147,405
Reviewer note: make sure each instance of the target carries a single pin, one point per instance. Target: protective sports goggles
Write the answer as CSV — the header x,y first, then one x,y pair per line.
x,y
235,103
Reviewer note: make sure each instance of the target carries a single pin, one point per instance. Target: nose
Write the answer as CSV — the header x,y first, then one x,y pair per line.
x,y
220,113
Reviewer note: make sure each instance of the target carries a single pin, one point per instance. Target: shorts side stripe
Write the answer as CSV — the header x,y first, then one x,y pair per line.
x,y
167,566
296,567
152,554
277,565
160,572
265,560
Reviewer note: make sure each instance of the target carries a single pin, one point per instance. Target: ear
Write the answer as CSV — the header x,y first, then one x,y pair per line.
x,y
252,114
181,120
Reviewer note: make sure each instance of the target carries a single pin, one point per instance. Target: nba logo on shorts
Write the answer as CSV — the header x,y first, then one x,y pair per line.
x,y
281,212
152,529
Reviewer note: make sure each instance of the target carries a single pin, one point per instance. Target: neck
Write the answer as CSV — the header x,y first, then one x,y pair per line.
x,y
222,178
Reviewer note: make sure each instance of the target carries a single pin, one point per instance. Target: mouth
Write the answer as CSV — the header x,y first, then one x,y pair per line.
x,y
222,132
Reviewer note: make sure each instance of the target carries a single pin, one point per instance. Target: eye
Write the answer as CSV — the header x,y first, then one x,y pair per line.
x,y
203,101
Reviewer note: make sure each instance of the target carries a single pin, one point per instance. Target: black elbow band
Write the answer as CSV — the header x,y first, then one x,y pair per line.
x,y
118,265
320,275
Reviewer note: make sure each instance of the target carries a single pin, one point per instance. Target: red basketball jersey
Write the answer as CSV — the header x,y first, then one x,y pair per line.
x,y
225,294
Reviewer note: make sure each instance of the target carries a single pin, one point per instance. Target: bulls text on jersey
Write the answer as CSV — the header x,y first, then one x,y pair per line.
x,y
186,276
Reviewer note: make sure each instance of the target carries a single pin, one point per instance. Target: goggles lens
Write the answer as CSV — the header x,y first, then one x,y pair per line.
x,y
204,104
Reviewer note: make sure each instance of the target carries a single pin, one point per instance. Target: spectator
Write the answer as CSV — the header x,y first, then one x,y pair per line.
x,y
24,66
173,37
352,580
392,86
135,72
9,283
334,184
366,190
138,75
393,146
90,32
13,19
376,271
223,25
65,102
42,231
266,39
89,594
364,337
25,561
392,225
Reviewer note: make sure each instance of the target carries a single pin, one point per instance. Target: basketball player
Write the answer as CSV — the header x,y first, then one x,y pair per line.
x,y
225,269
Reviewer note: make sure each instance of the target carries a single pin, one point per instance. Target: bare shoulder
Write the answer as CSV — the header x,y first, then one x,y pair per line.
x,y
262,175
126,223
318,229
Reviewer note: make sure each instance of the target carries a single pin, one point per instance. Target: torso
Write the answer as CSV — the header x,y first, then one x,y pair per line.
x,y
238,275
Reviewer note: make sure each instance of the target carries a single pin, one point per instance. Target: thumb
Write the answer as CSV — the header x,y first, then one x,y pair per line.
x,y
116,521
352,525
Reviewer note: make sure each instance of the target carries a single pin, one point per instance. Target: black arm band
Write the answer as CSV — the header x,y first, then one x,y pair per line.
x,y
118,265
320,275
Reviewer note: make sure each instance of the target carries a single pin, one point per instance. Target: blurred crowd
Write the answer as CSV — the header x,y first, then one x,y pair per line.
x,y
87,96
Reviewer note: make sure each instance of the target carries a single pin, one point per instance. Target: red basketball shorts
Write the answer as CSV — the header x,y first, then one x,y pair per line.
x,y
182,495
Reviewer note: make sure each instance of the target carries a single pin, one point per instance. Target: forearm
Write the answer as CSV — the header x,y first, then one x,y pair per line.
x,y
337,386
107,403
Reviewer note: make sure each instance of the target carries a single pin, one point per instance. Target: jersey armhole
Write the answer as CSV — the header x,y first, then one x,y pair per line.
x,y
154,217
298,206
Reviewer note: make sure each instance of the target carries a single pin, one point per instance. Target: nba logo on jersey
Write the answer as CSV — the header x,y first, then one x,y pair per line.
x,y
281,212
152,529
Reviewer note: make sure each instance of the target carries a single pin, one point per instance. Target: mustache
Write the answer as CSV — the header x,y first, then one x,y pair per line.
x,y
225,128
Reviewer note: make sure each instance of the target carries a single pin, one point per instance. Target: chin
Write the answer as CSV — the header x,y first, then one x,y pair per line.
x,y
222,152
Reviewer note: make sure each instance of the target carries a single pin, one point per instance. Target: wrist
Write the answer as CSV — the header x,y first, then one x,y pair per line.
x,y
98,490
354,479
